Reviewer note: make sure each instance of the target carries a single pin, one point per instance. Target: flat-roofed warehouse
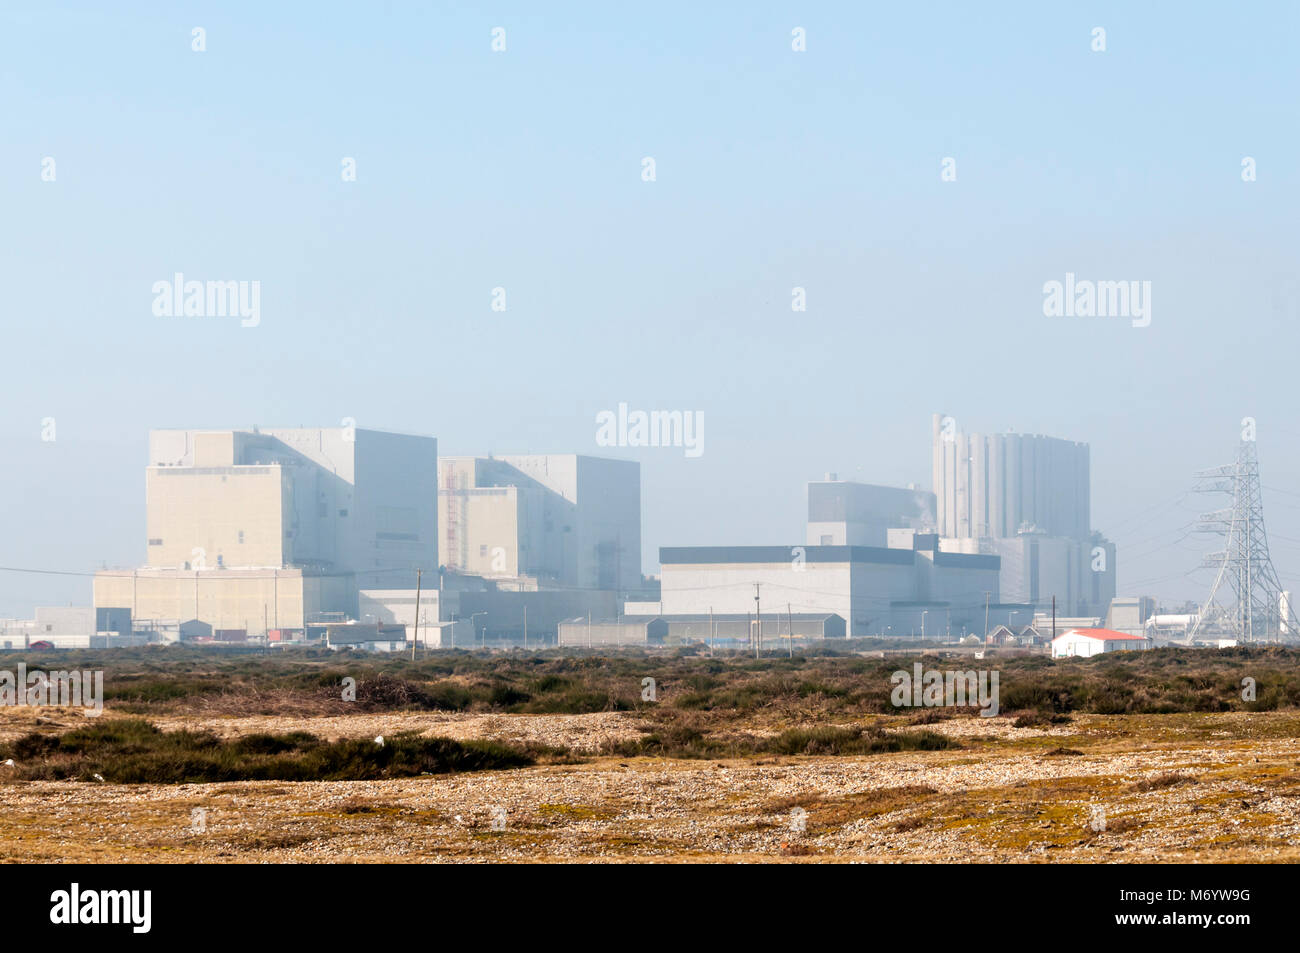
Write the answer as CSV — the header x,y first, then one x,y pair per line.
x,y
778,629
584,632
778,626
875,589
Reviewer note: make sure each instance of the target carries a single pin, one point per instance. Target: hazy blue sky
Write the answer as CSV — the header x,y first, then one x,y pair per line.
x,y
775,169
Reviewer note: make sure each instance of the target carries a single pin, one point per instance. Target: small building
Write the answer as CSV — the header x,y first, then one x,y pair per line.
x,y
1030,635
642,631
366,637
459,634
1001,635
778,628
1130,613
1084,643
195,630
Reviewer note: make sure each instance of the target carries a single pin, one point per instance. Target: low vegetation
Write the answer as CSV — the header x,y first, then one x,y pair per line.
x,y
689,736
132,751
1037,690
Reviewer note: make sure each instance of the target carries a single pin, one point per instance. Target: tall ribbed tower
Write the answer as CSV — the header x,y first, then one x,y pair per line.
x,y
995,485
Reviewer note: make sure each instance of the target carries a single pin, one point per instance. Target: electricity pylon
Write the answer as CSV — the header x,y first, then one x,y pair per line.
x,y
1246,601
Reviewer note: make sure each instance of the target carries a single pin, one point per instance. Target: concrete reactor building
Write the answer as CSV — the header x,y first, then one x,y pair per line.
x,y
264,530
542,521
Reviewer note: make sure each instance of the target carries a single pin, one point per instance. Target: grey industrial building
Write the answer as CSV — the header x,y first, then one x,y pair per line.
x,y
542,520
843,513
1023,498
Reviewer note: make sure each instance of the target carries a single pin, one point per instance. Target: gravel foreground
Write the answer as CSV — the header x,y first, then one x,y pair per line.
x,y
1113,789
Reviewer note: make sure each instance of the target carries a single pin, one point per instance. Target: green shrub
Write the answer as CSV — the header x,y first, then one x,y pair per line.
x,y
132,751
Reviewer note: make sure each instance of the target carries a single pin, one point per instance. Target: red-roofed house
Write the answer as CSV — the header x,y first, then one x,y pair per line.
x,y
1086,642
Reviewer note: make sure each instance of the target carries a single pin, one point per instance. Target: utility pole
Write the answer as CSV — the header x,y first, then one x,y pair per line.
x,y
525,628
758,616
1053,618
986,613
789,628
419,573
710,630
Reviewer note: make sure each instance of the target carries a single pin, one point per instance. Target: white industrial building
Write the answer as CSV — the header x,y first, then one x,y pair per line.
x,y
542,521
331,499
876,590
397,606
69,627
777,630
1129,614
439,627
1084,643
267,530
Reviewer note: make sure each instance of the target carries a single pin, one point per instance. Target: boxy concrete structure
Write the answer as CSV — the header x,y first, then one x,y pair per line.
x,y
577,633
876,590
272,529
330,499
554,520
842,513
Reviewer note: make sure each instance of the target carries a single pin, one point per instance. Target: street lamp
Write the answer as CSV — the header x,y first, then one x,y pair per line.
x,y
923,612
472,617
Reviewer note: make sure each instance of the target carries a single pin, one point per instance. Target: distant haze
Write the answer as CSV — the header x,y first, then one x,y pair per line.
x,y
774,170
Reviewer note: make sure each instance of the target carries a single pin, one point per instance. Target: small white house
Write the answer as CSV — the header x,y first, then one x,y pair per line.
x,y
1083,643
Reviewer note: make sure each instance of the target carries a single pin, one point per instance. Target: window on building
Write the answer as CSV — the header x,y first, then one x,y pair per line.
x,y
826,540
241,535
155,542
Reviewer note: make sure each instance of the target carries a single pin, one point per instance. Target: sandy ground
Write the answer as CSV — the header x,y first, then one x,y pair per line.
x,y
1226,788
